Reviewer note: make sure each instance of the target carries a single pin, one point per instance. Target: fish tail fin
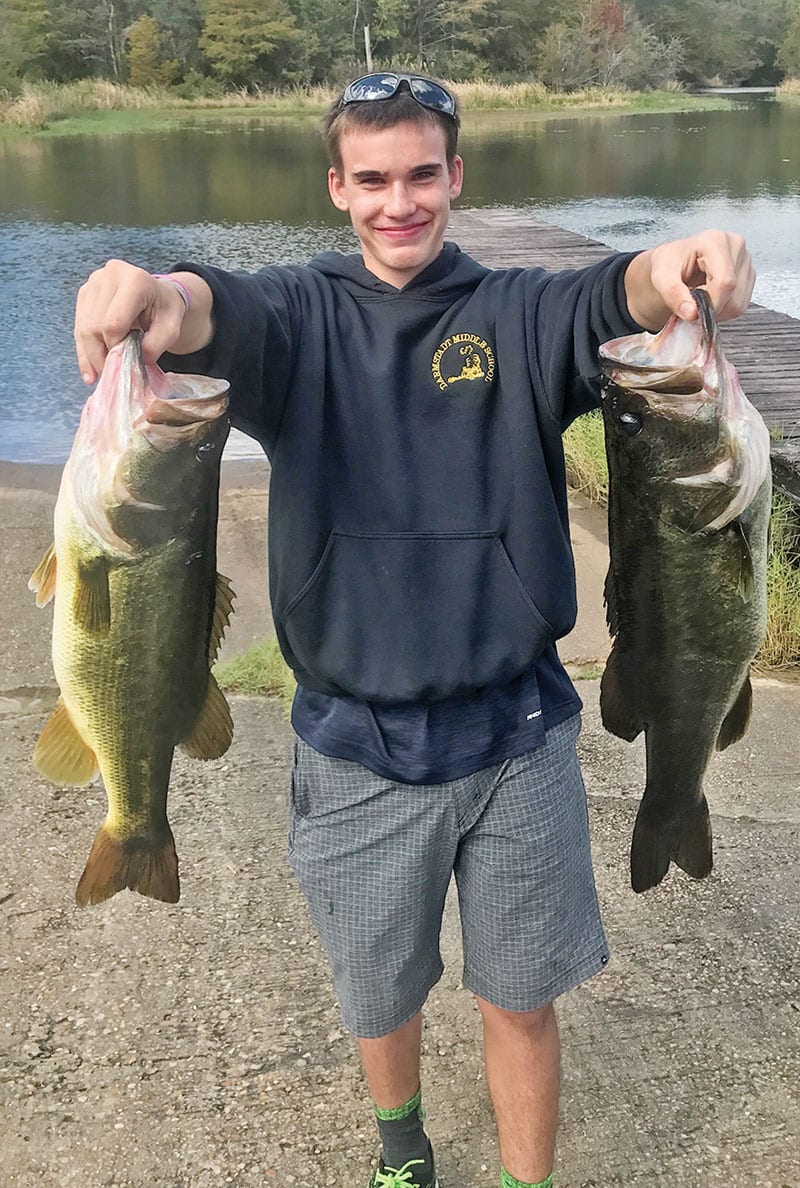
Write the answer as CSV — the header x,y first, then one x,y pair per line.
x,y
148,865
694,850
659,840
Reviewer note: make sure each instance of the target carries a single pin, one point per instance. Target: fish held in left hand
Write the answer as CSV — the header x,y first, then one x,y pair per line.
x,y
139,611
688,518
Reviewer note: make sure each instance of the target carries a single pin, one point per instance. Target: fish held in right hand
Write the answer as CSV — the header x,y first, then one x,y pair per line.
x,y
689,508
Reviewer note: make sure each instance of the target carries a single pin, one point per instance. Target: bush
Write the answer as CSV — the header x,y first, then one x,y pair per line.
x,y
195,85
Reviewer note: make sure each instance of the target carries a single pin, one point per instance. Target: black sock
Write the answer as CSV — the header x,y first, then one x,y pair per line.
x,y
403,1136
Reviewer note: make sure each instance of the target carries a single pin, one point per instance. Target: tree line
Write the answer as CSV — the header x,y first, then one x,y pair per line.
x,y
203,46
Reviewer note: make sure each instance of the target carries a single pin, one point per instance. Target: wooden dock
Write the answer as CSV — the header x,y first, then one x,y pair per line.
x,y
763,345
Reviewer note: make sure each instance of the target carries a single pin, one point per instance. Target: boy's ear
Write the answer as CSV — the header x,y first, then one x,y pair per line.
x,y
336,189
455,176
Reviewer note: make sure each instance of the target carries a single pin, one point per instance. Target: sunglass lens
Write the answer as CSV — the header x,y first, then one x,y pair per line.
x,y
431,95
372,86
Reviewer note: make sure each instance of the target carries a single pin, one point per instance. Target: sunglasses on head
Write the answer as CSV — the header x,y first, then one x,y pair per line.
x,y
382,86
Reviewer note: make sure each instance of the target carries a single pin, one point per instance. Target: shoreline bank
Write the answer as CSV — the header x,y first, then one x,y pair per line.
x,y
44,477
51,112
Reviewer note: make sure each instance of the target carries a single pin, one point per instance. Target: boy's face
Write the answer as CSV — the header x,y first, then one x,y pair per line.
x,y
396,186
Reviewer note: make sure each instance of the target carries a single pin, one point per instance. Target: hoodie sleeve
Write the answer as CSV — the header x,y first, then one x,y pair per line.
x,y
252,347
570,313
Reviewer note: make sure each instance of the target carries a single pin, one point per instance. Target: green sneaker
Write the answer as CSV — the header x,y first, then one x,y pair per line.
x,y
405,1176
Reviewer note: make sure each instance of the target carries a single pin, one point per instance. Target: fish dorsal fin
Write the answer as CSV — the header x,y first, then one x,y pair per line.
x,y
223,609
43,579
212,732
610,599
61,754
737,718
92,604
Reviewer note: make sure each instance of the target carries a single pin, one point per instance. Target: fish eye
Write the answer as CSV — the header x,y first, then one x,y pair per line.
x,y
630,423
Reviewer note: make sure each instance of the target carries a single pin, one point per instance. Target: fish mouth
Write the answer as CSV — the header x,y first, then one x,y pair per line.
x,y
678,356
136,412
134,397
166,407
676,369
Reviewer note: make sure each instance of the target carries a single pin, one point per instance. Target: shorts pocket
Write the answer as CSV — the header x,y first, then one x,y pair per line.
x,y
414,617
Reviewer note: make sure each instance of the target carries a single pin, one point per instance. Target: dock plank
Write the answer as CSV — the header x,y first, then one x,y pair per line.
x,y
763,345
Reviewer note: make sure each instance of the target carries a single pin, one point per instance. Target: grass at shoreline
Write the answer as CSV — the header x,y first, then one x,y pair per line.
x,y
260,671
95,106
587,472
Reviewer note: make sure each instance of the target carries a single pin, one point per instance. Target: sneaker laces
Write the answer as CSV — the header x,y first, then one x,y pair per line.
x,y
398,1177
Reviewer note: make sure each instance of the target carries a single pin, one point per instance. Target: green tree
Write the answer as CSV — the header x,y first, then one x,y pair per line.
x,y
247,41
788,56
514,39
24,35
87,38
324,50
179,24
445,37
733,41
145,56
607,44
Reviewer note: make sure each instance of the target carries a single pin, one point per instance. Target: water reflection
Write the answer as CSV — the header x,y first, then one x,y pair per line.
x,y
243,192
41,267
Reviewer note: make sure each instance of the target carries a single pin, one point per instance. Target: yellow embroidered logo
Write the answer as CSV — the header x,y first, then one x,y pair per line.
x,y
462,357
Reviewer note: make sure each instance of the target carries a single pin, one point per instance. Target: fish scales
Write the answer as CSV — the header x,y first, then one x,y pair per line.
x,y
689,506
139,610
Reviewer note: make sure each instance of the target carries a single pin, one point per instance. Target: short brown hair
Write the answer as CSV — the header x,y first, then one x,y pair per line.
x,y
400,108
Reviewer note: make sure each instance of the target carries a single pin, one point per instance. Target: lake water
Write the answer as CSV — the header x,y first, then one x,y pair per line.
x,y
246,192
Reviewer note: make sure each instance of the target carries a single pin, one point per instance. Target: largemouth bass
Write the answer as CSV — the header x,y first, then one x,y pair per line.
x,y
689,507
139,610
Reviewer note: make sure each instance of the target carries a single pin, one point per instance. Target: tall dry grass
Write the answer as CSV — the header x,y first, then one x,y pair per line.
x,y
781,647
790,87
40,104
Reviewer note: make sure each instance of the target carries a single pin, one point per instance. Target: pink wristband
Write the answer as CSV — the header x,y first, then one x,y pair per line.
x,y
179,285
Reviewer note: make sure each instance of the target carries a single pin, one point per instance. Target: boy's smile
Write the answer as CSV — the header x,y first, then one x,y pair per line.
x,y
397,187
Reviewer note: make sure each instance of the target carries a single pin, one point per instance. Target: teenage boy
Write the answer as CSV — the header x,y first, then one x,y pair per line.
x,y
411,403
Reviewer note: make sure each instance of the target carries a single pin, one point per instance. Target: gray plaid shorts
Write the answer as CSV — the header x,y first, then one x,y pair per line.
x,y
374,859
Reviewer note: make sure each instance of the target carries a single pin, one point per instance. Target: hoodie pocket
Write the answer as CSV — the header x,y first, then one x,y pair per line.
x,y
413,616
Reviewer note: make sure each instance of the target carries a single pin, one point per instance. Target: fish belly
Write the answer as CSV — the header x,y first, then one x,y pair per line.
x,y
684,637
133,691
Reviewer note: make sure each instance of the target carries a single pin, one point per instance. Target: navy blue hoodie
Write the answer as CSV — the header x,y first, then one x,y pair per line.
x,y
418,534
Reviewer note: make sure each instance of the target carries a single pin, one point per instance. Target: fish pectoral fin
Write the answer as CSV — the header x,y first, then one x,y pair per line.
x,y
617,714
721,492
737,718
212,732
223,609
43,578
148,865
61,754
746,581
719,475
92,603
